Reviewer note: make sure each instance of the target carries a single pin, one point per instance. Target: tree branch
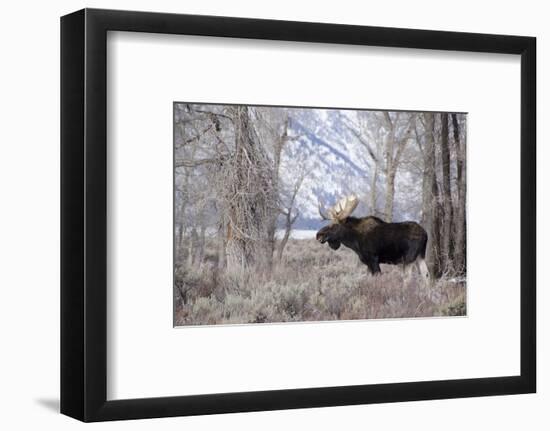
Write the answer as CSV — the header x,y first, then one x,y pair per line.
x,y
183,163
364,143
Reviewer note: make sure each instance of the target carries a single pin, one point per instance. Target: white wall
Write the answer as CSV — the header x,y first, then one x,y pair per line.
x,y
29,225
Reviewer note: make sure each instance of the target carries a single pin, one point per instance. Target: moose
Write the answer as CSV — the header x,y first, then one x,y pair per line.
x,y
374,240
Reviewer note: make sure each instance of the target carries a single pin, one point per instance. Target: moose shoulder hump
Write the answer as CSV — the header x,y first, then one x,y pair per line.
x,y
365,224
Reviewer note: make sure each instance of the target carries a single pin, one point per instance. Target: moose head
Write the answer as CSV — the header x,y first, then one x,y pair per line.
x,y
338,215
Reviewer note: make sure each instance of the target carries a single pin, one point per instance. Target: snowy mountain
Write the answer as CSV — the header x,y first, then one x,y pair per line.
x,y
333,163
328,154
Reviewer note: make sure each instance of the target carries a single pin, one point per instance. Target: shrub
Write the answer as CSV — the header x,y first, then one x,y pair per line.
x,y
312,283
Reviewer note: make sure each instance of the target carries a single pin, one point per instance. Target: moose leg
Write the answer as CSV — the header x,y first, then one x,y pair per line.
x,y
373,265
423,269
371,262
408,269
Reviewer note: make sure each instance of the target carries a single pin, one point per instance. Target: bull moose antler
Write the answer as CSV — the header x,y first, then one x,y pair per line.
x,y
341,210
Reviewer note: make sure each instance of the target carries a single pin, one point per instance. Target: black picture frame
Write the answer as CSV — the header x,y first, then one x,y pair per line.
x,y
84,214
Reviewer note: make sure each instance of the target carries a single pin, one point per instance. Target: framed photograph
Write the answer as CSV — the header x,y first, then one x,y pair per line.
x,y
261,215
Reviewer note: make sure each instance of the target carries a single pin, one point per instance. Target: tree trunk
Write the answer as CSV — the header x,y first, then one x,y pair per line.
x,y
181,229
250,196
284,240
436,227
428,173
394,151
192,247
179,241
447,222
202,241
390,192
221,246
279,144
460,222
430,217
390,170
373,193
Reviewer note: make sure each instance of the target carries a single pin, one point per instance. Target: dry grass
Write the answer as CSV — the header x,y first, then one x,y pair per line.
x,y
313,283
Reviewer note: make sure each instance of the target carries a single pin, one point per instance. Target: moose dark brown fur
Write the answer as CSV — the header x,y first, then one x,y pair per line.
x,y
374,240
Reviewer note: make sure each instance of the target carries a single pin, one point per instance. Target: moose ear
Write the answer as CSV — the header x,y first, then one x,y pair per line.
x,y
335,245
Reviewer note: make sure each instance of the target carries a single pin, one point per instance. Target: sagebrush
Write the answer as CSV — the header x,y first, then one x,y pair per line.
x,y
311,283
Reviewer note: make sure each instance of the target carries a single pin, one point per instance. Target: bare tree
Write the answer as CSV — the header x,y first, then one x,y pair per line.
x,y
430,191
447,222
384,136
397,137
200,154
290,213
367,131
272,127
460,221
249,195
